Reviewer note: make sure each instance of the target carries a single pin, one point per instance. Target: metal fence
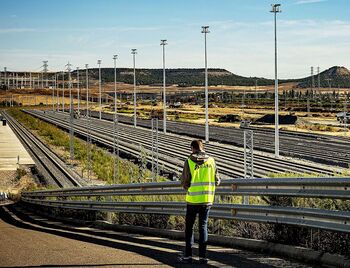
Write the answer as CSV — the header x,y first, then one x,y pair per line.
x,y
124,199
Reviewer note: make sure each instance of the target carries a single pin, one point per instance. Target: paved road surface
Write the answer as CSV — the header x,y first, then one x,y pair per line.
x,y
32,241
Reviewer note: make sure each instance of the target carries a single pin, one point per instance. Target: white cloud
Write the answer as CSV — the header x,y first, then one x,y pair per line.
x,y
302,2
17,30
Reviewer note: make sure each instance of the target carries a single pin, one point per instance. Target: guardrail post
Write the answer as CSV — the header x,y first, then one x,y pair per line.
x,y
109,214
216,226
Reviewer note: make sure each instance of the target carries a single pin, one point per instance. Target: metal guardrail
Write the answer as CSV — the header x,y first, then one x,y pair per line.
x,y
333,188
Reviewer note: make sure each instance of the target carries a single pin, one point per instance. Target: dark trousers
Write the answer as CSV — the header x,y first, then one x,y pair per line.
x,y
203,214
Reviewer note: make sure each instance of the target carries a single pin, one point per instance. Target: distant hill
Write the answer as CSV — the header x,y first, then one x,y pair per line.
x,y
180,77
334,77
339,76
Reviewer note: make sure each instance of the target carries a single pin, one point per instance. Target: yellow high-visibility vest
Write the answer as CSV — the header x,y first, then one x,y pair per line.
x,y
202,189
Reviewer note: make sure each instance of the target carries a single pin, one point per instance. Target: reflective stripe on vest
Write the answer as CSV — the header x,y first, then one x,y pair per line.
x,y
202,188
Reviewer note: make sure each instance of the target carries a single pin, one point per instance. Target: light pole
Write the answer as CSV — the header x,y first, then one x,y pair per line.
x,y
78,88
205,30
87,87
63,93
100,87
53,95
115,166
6,85
134,52
164,43
57,93
275,10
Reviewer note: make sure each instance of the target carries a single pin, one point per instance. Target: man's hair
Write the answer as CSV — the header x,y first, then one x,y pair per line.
x,y
197,145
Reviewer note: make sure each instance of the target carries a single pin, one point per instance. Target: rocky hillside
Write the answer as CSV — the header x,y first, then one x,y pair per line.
x,y
334,77
339,76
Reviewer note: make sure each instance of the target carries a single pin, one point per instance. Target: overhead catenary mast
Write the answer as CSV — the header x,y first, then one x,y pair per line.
x,y
100,87
134,52
78,89
88,137
6,84
71,113
116,158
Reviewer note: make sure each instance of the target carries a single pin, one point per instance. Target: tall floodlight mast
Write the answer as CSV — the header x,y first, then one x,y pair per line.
x,y
53,94
6,84
100,87
318,81
275,10
205,30
57,92
164,43
134,52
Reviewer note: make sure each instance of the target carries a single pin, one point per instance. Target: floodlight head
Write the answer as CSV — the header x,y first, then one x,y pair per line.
x,y
276,8
134,51
205,29
99,62
115,57
163,42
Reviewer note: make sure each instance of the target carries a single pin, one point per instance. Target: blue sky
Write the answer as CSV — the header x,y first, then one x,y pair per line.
x,y
311,33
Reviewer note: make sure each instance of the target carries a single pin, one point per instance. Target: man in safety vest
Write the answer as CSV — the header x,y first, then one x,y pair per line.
x,y
199,178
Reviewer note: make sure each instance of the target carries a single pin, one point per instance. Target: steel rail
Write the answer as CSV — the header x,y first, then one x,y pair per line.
x,y
260,161
324,152
100,135
220,154
267,165
171,164
49,163
335,153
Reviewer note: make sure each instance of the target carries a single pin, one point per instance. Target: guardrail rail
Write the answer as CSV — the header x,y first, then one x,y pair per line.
x,y
112,199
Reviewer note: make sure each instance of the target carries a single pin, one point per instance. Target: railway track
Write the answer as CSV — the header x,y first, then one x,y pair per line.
x,y
51,167
319,148
174,149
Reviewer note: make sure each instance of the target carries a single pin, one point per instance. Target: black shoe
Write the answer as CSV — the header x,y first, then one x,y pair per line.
x,y
203,260
185,260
